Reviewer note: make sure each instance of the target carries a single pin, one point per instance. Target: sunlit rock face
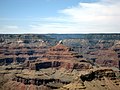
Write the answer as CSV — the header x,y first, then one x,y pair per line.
x,y
18,52
97,50
106,58
20,48
50,79
61,56
60,52
13,85
42,62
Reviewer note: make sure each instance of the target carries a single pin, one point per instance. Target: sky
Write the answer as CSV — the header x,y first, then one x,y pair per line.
x,y
59,16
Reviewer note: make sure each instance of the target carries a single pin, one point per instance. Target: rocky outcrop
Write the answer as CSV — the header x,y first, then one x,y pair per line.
x,y
13,85
97,79
106,58
18,52
61,56
98,74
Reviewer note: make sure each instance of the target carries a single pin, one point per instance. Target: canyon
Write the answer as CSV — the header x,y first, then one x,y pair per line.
x,y
59,62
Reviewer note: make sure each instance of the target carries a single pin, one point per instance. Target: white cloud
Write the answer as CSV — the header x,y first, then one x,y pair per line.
x,y
93,12
99,17
52,28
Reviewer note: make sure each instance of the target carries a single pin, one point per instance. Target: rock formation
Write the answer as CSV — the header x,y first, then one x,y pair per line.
x,y
61,56
77,62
